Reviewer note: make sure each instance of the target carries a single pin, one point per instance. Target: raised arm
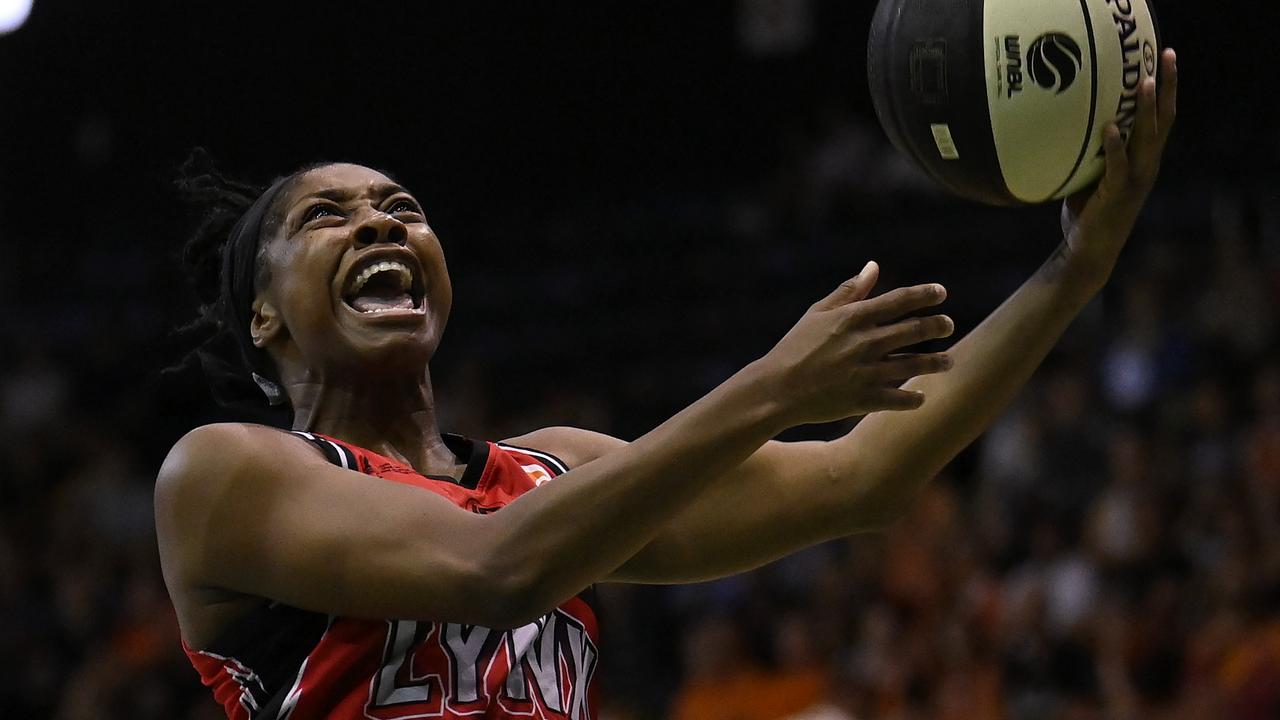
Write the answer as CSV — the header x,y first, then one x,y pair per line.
x,y
789,496
896,455
251,510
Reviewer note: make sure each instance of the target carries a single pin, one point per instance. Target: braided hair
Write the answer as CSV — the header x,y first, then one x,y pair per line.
x,y
224,260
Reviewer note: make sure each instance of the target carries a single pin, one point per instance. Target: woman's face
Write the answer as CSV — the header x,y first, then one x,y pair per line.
x,y
356,280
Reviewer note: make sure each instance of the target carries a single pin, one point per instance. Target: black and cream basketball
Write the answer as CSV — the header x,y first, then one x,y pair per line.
x,y
1005,101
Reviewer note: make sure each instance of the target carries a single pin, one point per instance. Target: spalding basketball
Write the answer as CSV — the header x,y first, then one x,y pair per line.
x,y
1005,101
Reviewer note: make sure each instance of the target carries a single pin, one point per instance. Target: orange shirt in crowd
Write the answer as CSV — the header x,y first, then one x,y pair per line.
x,y
750,694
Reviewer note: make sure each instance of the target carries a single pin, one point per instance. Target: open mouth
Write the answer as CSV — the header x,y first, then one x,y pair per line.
x,y
384,286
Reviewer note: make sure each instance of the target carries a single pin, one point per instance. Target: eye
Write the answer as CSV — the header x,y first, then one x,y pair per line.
x,y
404,205
317,211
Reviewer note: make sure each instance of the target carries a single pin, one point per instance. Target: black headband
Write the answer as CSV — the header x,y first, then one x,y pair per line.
x,y
239,270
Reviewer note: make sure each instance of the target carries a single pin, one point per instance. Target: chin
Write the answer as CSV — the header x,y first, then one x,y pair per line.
x,y
395,351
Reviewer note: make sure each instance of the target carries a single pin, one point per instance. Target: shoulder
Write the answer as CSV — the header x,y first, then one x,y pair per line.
x,y
209,449
219,471
574,446
210,458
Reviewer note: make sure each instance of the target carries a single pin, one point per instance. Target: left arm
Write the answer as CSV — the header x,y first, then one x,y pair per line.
x,y
893,457
788,496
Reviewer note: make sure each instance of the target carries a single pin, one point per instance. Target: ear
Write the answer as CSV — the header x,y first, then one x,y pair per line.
x,y
266,323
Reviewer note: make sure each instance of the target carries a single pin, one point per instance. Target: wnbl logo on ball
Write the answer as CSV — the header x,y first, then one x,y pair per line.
x,y
1053,61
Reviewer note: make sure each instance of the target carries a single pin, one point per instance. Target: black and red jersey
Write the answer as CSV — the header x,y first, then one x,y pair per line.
x,y
284,662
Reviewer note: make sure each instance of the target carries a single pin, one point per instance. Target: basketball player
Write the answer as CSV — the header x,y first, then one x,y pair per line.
x,y
367,566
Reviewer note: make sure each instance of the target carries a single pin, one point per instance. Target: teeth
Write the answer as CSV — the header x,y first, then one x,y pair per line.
x,y
406,276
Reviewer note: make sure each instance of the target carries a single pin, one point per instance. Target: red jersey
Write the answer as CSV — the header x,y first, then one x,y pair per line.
x,y
284,662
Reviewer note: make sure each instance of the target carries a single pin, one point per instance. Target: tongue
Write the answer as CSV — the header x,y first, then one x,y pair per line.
x,y
370,303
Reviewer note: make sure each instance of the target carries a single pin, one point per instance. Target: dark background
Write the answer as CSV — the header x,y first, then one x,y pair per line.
x,y
635,199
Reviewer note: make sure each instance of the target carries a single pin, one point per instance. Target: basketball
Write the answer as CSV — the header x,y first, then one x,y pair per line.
x,y
1005,101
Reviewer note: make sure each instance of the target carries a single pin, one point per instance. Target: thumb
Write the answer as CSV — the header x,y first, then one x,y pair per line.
x,y
854,289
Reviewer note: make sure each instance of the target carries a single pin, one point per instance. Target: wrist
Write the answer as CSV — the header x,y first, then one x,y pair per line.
x,y
1075,274
762,396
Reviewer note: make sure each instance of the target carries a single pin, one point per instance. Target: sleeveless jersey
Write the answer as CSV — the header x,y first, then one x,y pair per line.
x,y
284,662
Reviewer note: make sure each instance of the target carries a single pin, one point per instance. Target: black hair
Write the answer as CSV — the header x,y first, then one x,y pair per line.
x,y
223,260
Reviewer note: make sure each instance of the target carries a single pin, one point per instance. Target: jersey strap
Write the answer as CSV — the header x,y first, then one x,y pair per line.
x,y
473,452
553,463
333,452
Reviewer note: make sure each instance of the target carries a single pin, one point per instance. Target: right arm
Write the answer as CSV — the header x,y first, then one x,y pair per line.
x,y
254,511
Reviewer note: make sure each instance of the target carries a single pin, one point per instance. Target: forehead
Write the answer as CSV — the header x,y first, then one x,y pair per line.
x,y
352,179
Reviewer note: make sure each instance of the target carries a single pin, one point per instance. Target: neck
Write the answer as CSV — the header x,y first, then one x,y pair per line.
x,y
391,416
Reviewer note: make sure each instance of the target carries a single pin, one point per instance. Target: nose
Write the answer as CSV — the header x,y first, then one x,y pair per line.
x,y
380,227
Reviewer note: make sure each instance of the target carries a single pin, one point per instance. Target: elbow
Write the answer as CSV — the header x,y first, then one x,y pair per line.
x,y
880,519
512,591
880,511
884,501
508,603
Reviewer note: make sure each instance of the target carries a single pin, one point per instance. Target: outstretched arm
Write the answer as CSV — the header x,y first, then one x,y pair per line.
x,y
789,496
998,357
254,511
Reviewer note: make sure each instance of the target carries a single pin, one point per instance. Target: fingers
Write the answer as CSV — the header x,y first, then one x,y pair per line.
x,y
1145,144
1168,100
897,368
905,366
1146,128
852,290
896,303
1156,112
878,342
893,399
1116,178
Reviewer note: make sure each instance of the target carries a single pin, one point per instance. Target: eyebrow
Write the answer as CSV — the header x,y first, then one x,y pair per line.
x,y
346,194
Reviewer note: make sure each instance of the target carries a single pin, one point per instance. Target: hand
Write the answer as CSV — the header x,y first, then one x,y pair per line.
x,y
1097,223
838,361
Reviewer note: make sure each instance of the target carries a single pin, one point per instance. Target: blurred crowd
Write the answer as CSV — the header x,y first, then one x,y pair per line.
x,y
1109,549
